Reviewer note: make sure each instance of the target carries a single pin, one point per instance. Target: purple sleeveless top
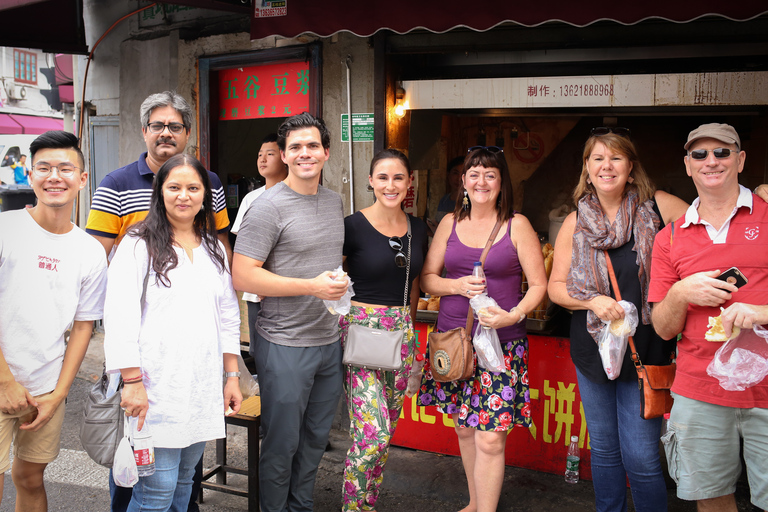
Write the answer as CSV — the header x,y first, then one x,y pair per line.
x,y
503,275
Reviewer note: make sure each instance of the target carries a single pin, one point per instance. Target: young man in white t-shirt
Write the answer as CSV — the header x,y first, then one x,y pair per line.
x,y
273,170
53,279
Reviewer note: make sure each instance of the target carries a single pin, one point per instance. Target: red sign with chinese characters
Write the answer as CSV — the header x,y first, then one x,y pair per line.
x,y
556,414
271,90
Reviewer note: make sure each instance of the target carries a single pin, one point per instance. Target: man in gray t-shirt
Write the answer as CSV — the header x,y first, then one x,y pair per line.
x,y
290,241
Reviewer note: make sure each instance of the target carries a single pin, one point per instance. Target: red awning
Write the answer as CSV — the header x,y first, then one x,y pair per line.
x,y
8,126
290,18
35,125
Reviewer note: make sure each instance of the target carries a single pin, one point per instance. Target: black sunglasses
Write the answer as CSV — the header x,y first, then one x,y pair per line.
x,y
605,130
720,153
397,245
490,149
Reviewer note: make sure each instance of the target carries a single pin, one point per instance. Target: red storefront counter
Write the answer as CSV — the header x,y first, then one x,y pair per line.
x,y
557,413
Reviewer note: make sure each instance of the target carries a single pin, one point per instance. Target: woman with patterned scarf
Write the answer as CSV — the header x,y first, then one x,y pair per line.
x,y
620,212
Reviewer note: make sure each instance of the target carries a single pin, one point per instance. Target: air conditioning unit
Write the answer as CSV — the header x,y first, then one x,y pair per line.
x,y
17,92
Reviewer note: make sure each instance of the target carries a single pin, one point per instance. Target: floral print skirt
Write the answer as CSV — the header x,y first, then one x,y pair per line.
x,y
374,399
489,400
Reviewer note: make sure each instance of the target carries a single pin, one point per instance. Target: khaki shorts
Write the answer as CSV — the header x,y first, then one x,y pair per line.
x,y
703,443
41,447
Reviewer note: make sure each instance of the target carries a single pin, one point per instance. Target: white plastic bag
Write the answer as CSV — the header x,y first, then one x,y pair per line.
x,y
341,306
613,339
741,362
124,470
486,339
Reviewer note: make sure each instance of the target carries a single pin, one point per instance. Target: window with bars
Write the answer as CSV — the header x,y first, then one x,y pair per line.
x,y
25,67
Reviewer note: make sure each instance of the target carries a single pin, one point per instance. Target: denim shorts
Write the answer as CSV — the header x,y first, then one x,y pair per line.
x,y
702,445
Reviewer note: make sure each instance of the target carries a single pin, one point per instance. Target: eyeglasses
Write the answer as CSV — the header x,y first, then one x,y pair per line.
x,y
64,170
174,128
605,130
720,153
397,245
490,149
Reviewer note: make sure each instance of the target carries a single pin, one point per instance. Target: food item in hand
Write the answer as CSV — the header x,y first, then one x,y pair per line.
x,y
433,304
483,312
716,332
229,412
620,327
423,304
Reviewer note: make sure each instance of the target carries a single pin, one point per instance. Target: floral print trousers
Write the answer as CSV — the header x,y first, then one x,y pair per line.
x,y
375,399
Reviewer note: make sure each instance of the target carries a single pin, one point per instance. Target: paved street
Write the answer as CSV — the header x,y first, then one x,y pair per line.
x,y
413,480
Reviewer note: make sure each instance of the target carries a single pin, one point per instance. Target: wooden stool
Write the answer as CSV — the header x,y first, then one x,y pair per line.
x,y
249,416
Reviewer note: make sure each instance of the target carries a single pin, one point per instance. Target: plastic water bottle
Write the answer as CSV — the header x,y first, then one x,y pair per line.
x,y
414,378
572,461
477,271
143,450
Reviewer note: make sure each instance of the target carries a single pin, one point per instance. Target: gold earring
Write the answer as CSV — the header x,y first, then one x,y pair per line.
x,y
465,201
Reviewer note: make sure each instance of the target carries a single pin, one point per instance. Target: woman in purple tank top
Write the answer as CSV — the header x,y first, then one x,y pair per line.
x,y
485,407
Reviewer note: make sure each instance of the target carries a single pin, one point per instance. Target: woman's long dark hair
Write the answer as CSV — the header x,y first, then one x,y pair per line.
x,y
156,230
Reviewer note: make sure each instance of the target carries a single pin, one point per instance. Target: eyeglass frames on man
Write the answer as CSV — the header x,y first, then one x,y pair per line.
x,y
397,245
605,130
158,127
45,170
720,153
490,149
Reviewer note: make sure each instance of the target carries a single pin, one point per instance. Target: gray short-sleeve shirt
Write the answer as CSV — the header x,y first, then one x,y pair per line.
x,y
298,236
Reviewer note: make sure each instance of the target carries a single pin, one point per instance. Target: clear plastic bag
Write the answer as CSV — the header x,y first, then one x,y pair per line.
x,y
486,339
613,339
341,306
741,362
124,470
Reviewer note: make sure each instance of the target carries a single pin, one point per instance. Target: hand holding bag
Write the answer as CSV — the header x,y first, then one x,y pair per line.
x,y
654,381
378,349
450,353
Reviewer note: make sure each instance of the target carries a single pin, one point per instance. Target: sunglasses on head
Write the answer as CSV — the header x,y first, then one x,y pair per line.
x,y
720,153
397,245
490,149
605,130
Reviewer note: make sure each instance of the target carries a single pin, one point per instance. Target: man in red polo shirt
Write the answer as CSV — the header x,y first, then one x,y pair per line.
x,y
724,227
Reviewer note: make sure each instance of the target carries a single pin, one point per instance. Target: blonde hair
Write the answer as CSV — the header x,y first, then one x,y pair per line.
x,y
642,183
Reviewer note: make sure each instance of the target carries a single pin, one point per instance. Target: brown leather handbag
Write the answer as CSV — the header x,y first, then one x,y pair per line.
x,y
451,355
654,381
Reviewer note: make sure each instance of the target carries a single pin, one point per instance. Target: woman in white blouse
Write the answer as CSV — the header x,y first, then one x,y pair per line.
x,y
172,327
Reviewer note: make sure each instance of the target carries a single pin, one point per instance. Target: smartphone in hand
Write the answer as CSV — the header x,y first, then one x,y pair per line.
x,y
734,276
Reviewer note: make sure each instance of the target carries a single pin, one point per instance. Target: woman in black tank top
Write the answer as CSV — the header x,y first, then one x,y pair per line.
x,y
620,212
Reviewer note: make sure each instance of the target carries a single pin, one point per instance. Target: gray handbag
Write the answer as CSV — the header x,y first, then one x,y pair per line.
x,y
101,427
378,349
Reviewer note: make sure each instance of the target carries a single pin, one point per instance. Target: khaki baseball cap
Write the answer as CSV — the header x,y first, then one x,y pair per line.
x,y
722,132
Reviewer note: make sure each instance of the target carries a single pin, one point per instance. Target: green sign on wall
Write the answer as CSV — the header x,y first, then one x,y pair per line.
x,y
362,127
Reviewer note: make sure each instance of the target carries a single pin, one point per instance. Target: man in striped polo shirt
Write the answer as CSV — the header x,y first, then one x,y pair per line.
x,y
123,196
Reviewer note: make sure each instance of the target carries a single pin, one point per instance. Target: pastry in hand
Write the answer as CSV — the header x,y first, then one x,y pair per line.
x,y
620,327
716,332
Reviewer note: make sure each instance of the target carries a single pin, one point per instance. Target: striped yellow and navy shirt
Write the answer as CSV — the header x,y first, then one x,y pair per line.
x,y
123,198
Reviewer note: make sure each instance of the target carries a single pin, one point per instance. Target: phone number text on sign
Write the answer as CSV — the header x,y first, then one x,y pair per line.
x,y
586,90
571,90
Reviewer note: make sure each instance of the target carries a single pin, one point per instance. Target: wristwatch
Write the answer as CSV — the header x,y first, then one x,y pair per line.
x,y
522,315
231,374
